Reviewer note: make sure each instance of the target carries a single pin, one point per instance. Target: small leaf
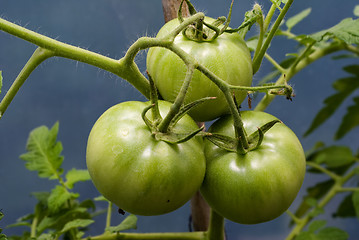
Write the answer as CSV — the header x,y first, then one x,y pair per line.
x,y
0,84
344,88
44,152
346,208
130,222
306,236
59,196
316,225
350,120
355,199
347,30
333,156
332,233
291,22
75,175
77,223
356,10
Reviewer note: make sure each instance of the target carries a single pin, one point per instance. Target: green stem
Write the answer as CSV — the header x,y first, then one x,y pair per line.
x,y
258,60
216,227
33,227
35,60
262,31
178,103
129,71
152,236
324,170
108,216
294,69
302,222
275,63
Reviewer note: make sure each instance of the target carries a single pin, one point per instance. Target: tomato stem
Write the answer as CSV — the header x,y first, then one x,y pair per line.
x,y
216,226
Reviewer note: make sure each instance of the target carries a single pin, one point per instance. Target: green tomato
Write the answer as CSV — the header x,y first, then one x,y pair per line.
x,y
135,171
227,56
259,185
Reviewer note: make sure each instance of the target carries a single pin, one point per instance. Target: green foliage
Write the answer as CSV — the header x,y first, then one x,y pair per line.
x,y
44,152
0,81
130,222
344,88
291,22
2,236
318,231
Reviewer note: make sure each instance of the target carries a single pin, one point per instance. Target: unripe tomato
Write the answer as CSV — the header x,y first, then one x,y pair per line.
x,y
227,56
135,171
259,185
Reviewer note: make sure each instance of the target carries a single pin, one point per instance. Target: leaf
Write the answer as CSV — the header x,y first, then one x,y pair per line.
x,y
344,88
350,120
346,208
291,22
333,156
75,175
77,223
347,30
44,152
0,85
355,199
316,225
356,10
130,222
306,236
332,233
59,196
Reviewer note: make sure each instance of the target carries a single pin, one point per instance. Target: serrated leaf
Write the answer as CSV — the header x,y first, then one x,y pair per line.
x,y
130,222
346,208
316,225
355,199
333,156
44,152
347,30
350,120
315,192
0,85
291,22
76,175
356,10
77,223
59,196
306,236
332,233
344,87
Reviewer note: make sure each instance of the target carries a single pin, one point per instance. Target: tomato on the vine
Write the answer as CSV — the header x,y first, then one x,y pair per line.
x,y
227,56
257,186
135,171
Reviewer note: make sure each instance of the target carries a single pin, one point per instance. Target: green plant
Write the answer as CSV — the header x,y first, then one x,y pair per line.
x,y
59,213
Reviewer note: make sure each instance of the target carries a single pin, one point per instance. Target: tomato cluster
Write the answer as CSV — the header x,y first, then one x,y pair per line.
x,y
145,175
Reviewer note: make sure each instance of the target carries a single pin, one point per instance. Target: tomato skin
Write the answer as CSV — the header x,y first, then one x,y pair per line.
x,y
260,185
135,171
228,57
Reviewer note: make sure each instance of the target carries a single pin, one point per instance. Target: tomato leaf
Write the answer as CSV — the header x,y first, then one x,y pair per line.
x,y
332,233
350,120
77,223
344,88
347,30
356,10
44,152
346,208
0,85
58,197
291,22
333,156
355,198
130,222
75,175
316,225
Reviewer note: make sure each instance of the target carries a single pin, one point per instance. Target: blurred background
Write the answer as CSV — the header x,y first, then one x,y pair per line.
x,y
76,94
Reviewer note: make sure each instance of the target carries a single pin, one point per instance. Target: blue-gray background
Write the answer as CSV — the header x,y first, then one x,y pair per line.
x,y
75,94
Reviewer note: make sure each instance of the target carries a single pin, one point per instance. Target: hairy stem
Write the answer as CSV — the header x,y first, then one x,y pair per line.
x,y
258,60
295,68
35,60
152,236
